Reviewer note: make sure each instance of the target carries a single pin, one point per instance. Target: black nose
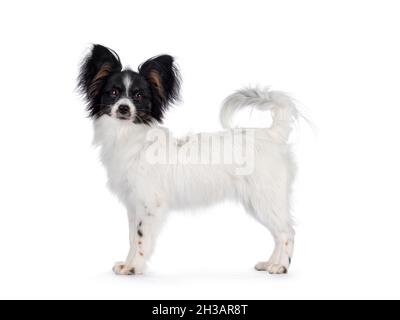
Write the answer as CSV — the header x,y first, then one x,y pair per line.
x,y
123,109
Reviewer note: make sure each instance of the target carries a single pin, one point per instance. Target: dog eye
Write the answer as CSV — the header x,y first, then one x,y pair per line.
x,y
138,96
114,92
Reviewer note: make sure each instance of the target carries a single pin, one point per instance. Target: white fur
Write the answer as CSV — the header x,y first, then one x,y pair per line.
x,y
284,111
149,190
127,84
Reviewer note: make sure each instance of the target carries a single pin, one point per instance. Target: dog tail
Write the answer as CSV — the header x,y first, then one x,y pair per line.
x,y
282,107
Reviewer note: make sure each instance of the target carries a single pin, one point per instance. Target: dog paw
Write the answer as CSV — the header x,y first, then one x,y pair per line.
x,y
262,266
271,268
122,270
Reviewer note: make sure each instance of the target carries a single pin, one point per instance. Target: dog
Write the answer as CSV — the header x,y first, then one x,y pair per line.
x,y
128,107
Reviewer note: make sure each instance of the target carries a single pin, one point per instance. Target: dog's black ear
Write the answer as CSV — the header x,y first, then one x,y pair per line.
x,y
164,78
95,69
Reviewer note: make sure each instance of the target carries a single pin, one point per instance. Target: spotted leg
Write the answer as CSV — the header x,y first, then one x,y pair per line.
x,y
144,225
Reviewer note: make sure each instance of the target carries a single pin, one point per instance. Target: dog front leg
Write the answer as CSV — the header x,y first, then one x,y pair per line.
x,y
144,226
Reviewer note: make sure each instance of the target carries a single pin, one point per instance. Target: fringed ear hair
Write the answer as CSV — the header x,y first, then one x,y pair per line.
x,y
164,79
94,71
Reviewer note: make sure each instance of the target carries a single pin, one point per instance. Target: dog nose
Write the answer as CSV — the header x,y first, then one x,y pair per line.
x,y
123,109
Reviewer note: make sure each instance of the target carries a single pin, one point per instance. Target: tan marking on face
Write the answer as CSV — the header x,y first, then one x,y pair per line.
x,y
141,253
155,79
94,87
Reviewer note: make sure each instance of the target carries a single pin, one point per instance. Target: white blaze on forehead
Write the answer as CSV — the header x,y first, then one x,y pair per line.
x,y
127,84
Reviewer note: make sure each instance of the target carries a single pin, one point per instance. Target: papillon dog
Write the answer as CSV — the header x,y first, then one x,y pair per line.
x,y
151,172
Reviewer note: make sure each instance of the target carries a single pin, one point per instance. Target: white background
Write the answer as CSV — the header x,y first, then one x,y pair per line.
x,y
61,230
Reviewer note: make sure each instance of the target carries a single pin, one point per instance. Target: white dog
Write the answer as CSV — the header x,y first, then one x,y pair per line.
x,y
151,172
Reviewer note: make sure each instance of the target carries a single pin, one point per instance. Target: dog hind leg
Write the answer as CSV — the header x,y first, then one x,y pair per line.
x,y
273,213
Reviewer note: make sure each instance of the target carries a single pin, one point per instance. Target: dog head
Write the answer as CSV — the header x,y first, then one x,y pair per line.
x,y
139,97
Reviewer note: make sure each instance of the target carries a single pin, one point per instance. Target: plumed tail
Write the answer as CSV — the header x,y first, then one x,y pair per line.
x,y
282,107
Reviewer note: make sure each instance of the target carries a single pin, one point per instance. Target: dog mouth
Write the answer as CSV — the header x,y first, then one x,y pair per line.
x,y
124,117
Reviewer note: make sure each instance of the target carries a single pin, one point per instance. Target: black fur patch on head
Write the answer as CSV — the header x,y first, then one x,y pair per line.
x,y
103,83
164,79
98,65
